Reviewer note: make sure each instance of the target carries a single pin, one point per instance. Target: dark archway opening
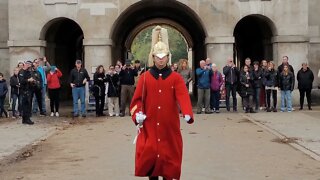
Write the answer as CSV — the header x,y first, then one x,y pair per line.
x,y
163,11
64,39
253,38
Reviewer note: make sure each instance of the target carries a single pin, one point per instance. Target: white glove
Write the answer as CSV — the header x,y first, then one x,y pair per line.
x,y
187,118
140,117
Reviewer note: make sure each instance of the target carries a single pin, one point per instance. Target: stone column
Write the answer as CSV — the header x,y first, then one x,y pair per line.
x,y
23,50
295,47
97,52
314,59
4,63
219,49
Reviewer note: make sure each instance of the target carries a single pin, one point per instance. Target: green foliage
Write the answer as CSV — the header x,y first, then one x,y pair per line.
x,y
141,45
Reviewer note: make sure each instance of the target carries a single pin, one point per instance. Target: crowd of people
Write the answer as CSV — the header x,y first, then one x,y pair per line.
x,y
257,84
29,84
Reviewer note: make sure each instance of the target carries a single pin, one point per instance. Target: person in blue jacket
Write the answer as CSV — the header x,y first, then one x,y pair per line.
x,y
203,73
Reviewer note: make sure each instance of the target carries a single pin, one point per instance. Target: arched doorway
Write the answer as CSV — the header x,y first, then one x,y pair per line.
x,y
140,43
64,46
253,38
151,12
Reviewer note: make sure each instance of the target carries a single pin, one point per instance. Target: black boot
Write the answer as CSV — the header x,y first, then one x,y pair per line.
x,y
6,113
268,109
252,111
29,122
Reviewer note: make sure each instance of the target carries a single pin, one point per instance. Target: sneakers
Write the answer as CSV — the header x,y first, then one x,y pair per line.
x,y
117,115
110,115
54,114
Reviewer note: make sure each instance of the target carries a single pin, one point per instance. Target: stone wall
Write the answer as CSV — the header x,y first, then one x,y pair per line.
x,y
4,35
293,22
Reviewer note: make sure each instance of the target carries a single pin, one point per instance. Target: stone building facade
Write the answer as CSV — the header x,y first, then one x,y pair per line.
x,y
101,31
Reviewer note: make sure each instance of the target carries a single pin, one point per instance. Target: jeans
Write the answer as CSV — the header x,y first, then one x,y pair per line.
x,y
256,93
302,94
15,98
43,101
286,97
203,100
79,92
215,100
231,88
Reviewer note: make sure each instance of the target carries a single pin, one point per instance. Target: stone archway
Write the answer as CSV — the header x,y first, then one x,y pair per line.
x,y
64,39
253,38
170,12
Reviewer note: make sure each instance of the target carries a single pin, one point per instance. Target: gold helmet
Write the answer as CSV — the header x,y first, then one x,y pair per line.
x,y
160,49
159,45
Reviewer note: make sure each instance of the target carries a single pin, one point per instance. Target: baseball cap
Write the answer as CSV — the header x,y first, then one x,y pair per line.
x,y
78,61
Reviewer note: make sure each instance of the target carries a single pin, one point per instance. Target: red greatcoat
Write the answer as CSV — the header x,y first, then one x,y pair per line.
x,y
159,144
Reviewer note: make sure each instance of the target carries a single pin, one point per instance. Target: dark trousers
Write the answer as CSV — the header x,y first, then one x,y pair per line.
x,y
20,104
2,110
54,99
248,102
126,96
303,92
256,98
215,100
15,98
100,104
274,97
231,89
38,94
262,96
26,105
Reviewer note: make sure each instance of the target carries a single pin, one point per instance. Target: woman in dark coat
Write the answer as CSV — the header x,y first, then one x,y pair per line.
x,y
305,79
246,81
271,84
257,83
286,84
99,90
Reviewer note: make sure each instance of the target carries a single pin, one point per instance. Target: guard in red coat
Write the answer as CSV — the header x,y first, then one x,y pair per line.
x,y
159,96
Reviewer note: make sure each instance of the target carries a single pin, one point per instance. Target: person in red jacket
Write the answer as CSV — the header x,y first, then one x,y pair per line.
x,y
53,80
155,110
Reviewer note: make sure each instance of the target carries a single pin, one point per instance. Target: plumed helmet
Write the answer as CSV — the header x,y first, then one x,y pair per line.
x,y
160,49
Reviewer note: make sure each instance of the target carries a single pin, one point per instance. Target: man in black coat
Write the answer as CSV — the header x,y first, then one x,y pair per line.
x,y
305,79
27,83
127,75
231,73
285,61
